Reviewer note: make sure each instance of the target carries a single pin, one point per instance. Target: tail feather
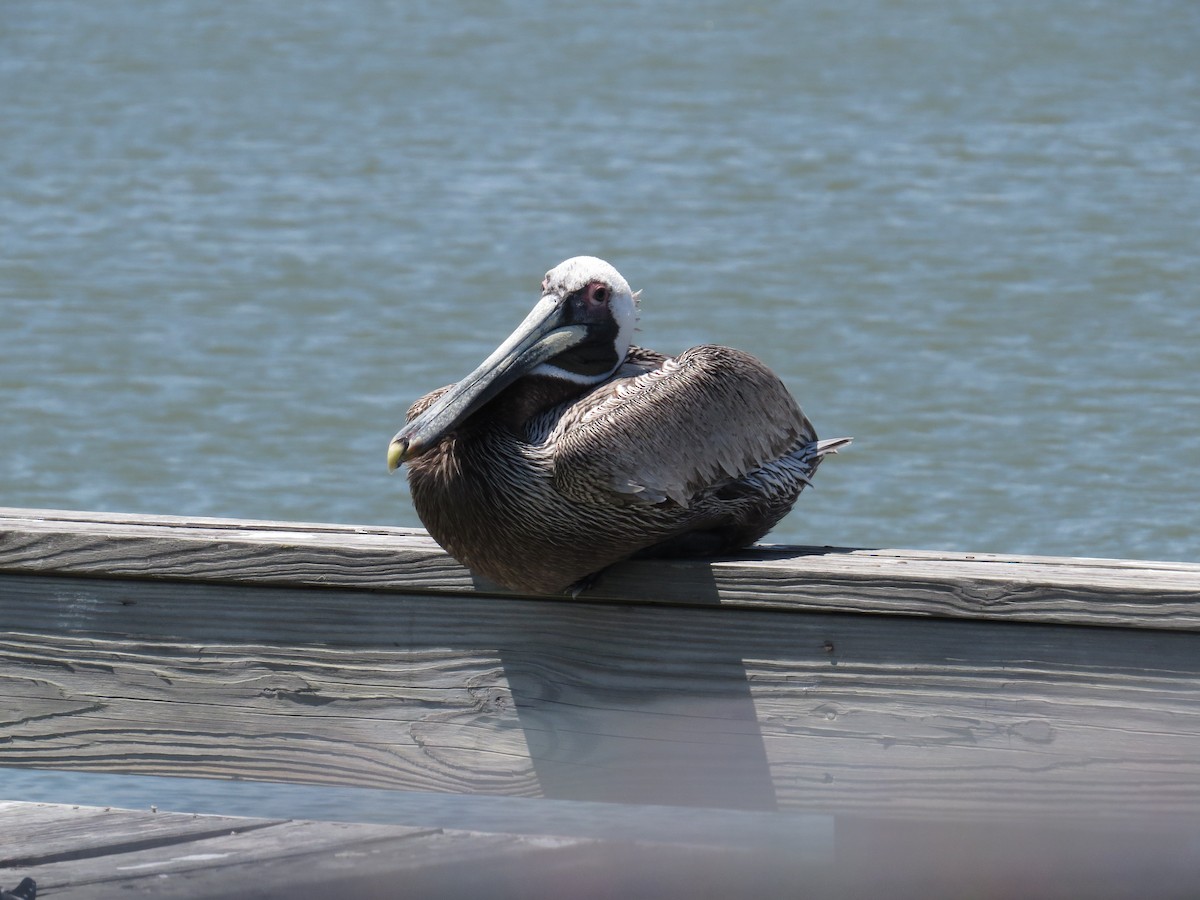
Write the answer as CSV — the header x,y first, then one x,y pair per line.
x,y
833,445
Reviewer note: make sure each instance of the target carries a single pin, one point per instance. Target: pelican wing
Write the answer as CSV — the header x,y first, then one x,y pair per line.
x,y
710,416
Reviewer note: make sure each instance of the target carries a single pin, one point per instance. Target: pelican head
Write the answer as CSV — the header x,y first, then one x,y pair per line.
x,y
579,331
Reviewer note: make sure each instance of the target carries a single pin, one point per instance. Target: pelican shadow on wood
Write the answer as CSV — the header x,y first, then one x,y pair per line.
x,y
569,449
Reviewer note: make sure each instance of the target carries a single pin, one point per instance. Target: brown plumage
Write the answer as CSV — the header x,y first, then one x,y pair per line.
x,y
570,450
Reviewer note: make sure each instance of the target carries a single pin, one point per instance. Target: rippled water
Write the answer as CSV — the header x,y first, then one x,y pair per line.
x,y
236,240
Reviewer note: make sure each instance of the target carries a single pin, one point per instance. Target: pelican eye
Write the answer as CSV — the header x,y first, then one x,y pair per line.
x,y
599,293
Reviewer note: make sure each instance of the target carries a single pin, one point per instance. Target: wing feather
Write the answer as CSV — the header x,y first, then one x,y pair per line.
x,y
703,419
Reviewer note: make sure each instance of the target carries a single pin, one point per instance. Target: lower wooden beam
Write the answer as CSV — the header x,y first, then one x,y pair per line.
x,y
589,701
76,853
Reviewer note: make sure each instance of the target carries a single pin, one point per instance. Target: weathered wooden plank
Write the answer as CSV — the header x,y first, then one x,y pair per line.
x,y
224,858
40,834
983,586
288,859
219,856
590,701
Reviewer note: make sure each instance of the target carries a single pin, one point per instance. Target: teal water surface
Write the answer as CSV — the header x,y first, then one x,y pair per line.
x,y
237,240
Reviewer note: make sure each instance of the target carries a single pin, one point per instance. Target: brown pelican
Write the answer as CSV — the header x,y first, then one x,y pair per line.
x,y
569,449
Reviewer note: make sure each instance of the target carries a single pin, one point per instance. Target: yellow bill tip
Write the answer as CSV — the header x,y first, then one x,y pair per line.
x,y
397,450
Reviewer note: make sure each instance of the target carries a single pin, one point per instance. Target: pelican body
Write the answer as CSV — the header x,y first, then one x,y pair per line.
x,y
569,449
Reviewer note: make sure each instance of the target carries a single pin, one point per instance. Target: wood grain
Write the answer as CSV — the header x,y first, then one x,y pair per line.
x,y
1121,593
183,857
928,685
623,703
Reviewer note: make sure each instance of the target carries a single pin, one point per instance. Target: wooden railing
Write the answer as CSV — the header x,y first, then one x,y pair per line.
x,y
915,684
